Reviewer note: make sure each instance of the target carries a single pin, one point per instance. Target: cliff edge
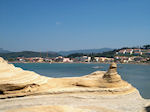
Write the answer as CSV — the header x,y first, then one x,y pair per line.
x,y
101,91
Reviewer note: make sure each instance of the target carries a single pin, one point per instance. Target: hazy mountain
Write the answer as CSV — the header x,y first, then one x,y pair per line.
x,y
65,53
27,54
8,54
4,51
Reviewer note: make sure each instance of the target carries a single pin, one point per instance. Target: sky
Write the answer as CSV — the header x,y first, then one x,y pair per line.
x,y
55,25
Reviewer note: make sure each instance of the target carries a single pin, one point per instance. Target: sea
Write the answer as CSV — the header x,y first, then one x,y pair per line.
x,y
137,75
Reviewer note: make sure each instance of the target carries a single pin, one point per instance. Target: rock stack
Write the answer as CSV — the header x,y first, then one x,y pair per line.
x,y
111,75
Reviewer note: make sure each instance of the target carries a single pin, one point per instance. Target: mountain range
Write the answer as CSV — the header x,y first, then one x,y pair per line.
x,y
4,51
27,54
85,51
8,54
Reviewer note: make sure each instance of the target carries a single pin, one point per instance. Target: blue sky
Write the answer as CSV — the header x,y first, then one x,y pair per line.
x,y
53,25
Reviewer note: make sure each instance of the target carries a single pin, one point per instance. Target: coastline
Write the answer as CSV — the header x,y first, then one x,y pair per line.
x,y
100,91
80,63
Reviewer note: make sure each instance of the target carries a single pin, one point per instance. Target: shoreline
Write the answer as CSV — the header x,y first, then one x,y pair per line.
x,y
101,90
80,63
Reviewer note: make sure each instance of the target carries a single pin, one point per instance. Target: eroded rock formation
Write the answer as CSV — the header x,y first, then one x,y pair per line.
x,y
17,82
14,80
101,91
111,75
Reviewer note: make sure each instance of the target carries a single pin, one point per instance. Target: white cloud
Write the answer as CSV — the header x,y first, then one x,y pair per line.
x,y
58,23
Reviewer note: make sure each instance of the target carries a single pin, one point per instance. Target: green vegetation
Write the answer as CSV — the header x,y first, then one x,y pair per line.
x,y
146,46
109,54
76,55
27,54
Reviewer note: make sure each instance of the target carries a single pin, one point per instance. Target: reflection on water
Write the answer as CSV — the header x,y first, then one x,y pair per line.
x,y
137,75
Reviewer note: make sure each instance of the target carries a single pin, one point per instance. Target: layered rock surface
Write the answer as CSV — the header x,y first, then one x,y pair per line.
x,y
15,80
89,93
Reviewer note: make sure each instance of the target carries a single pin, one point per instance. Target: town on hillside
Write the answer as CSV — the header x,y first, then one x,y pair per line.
x,y
123,55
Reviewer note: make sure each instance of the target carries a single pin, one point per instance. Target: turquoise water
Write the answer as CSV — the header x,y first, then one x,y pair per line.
x,y
137,75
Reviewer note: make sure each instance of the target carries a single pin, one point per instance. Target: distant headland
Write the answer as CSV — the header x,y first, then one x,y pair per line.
x,y
133,55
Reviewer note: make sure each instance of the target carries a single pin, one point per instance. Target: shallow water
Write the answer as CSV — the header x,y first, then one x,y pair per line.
x,y
137,75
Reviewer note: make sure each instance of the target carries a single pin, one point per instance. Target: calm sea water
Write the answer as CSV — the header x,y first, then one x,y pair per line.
x,y
137,75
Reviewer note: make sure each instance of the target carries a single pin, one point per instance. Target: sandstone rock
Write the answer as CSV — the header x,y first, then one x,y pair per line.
x,y
17,82
49,109
111,75
97,92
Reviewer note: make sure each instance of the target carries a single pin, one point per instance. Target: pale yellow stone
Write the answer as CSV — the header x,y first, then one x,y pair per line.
x,y
100,91
17,82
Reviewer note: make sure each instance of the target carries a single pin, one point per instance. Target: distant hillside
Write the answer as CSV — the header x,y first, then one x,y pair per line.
x,y
8,54
108,54
27,54
4,51
85,51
